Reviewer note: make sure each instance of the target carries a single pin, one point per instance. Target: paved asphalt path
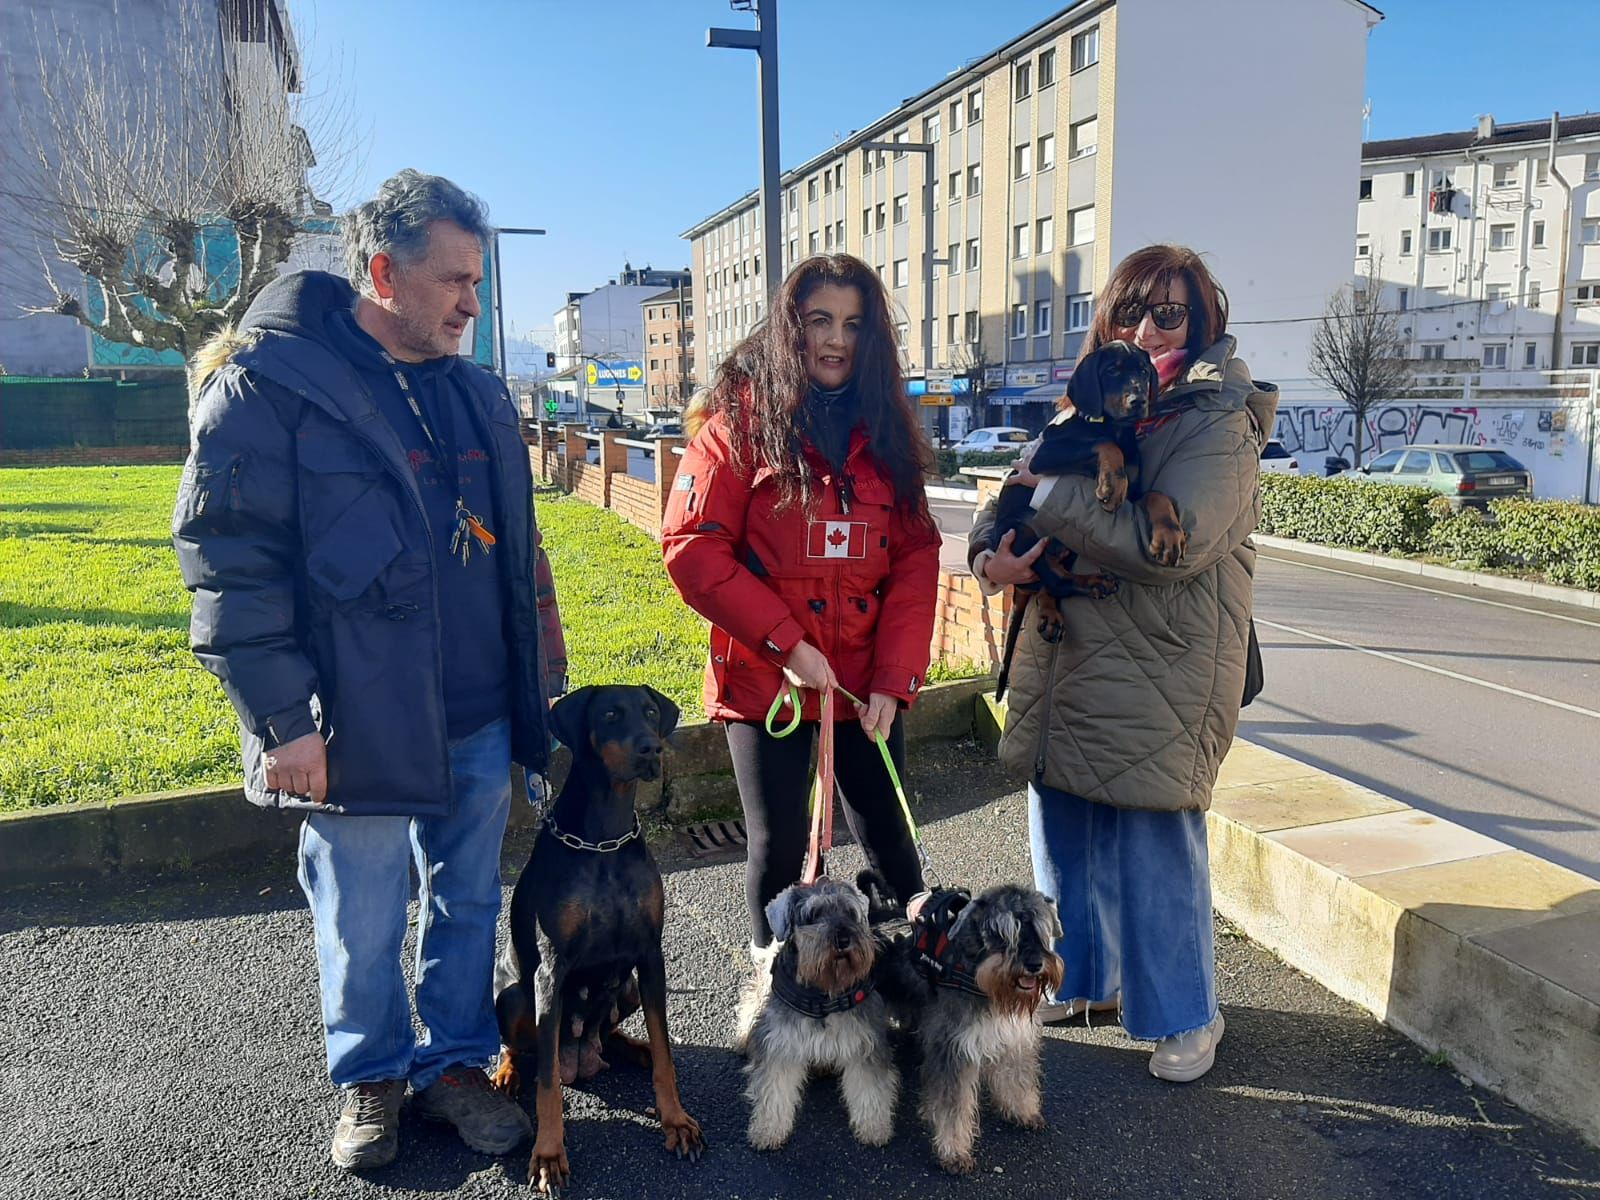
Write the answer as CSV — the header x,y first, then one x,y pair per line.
x,y
161,1040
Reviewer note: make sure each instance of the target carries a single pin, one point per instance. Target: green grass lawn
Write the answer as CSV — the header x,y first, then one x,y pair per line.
x,y
100,697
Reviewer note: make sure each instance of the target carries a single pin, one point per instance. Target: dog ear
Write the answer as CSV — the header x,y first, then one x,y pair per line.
x,y
569,718
1051,924
1084,390
668,720
780,913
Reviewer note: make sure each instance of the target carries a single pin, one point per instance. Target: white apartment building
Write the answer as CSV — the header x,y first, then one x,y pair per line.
x,y
1487,242
1113,124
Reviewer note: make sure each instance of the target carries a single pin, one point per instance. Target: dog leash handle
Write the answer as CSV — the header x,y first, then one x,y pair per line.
x,y
790,695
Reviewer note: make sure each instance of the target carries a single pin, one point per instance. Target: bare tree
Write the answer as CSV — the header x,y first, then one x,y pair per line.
x,y
1357,350
970,362
173,173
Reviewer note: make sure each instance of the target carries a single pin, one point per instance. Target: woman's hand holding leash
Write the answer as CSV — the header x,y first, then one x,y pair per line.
x,y
808,668
877,714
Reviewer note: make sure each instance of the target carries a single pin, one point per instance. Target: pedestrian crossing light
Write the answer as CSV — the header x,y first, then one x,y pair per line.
x,y
550,359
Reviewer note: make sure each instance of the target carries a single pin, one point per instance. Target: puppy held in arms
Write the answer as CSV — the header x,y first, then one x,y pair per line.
x,y
821,1011
968,977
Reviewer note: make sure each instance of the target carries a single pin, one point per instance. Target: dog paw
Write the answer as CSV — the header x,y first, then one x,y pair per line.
x,y
876,1133
683,1136
1033,1119
959,1164
1101,586
1050,628
766,1137
1111,489
505,1079
548,1171
1167,545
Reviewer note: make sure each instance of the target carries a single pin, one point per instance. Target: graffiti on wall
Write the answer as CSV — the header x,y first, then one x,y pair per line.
x,y
1308,429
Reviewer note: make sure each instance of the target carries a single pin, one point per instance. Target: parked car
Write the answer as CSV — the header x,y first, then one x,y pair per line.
x,y
1276,459
661,429
1470,475
993,439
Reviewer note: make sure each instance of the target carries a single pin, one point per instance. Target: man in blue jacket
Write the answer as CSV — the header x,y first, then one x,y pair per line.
x,y
356,524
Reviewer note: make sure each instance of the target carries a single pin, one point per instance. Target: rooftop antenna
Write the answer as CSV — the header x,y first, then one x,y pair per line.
x,y
1366,120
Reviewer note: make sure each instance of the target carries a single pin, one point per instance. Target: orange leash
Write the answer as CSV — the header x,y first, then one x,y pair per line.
x,y
821,795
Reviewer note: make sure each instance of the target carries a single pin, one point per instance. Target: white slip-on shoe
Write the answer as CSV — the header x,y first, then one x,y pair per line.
x,y
1053,1012
1185,1057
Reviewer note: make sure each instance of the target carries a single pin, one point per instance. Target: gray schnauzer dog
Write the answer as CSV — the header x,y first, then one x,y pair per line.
x,y
820,1009
968,976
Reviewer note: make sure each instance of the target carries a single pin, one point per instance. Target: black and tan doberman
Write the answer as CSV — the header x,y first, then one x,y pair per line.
x,y
586,919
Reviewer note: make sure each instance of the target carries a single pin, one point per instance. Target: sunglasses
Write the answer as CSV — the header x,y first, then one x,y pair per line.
x,y
1168,314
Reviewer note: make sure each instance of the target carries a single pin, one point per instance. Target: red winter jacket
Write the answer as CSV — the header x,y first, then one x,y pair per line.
x,y
854,578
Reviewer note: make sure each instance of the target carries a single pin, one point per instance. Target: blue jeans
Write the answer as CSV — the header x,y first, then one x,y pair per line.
x,y
1134,891
356,872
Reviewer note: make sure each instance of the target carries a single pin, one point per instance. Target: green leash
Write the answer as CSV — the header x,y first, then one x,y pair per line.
x,y
790,694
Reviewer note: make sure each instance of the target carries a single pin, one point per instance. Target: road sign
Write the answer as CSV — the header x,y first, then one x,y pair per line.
x,y
939,380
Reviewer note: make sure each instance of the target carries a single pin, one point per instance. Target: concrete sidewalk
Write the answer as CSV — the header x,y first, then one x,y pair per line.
x,y
165,1042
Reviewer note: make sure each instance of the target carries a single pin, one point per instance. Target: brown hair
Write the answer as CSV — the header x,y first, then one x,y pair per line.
x,y
763,383
1150,272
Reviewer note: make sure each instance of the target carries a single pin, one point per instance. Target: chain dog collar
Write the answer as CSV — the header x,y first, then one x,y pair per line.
x,y
609,846
814,1002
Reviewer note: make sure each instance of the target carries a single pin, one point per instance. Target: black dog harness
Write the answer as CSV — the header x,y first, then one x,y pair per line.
x,y
930,941
814,1002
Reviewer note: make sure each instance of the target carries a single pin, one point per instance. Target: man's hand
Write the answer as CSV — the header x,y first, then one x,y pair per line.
x,y
299,767
1006,568
877,714
808,668
1022,470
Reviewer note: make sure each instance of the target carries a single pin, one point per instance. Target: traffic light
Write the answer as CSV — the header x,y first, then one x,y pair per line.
x,y
550,359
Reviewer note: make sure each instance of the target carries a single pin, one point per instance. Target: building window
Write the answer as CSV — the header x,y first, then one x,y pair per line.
x,y
1047,152
866,162
1080,311
1363,246
1086,49
811,189
1591,167
930,128
952,328
1019,241
666,338
1437,179
972,254
953,258
1432,351
1530,355
1538,233
955,115
1080,226
974,107
1438,239
1497,293
902,272
1083,137
1541,170
811,242
1044,240
1591,232
1041,318
1410,188
838,232
1505,175
953,193
1531,299
1586,354
827,183
901,210
877,217
1403,299
1405,241
1500,236
1047,68
1022,161
900,135
655,364
827,237
1024,81
792,199
1019,320
971,331
1586,293
866,221
974,179
1366,188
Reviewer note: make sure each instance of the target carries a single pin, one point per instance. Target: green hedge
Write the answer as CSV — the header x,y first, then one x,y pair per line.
x,y
1556,539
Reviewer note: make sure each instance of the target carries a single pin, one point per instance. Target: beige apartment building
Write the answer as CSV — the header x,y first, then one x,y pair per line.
x,y
1110,125
668,323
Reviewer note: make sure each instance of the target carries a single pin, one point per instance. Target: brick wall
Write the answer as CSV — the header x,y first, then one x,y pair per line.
x,y
589,483
637,502
95,456
968,626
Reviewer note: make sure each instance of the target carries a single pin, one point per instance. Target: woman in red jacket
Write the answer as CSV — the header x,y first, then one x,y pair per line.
x,y
799,527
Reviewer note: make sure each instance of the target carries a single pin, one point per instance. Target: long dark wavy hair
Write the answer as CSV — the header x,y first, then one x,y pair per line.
x,y
762,385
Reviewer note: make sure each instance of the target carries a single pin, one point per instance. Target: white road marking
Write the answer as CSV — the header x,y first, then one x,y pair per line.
x,y
1421,666
1538,612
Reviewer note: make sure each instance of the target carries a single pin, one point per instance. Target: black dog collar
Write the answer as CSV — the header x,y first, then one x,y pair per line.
x,y
609,846
930,941
814,1002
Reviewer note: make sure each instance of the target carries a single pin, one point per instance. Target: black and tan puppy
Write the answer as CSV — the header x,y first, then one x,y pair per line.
x,y
967,977
586,919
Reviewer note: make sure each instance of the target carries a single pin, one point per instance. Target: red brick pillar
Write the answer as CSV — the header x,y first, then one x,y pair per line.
x,y
666,469
576,449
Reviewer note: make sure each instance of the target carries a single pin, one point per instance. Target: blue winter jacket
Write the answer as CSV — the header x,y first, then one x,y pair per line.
x,y
301,532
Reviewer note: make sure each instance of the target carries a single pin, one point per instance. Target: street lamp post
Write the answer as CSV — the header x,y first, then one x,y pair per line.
x,y
929,262
764,41
499,308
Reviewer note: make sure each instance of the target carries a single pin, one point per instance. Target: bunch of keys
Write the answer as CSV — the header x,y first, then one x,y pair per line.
x,y
469,527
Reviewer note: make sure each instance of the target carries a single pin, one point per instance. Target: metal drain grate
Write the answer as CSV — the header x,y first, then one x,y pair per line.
x,y
715,837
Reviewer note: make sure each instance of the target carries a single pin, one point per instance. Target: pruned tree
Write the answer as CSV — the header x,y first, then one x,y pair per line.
x,y
971,362
173,173
1357,350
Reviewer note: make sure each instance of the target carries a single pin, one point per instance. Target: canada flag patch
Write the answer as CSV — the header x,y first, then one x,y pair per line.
x,y
837,539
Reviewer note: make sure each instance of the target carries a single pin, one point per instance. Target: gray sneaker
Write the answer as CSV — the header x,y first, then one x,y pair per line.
x,y
368,1133
488,1121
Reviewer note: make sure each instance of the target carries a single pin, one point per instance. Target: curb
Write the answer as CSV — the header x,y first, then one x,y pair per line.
x,y
69,843
1578,597
1471,949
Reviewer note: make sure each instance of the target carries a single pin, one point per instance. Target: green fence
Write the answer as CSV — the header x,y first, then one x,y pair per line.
x,y
49,414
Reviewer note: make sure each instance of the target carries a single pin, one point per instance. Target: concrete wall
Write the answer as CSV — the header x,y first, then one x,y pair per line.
x,y
1238,132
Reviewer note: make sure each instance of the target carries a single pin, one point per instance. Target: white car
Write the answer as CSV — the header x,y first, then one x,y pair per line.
x,y
1275,459
993,439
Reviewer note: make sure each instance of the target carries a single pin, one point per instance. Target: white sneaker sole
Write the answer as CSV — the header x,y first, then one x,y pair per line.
x,y
1196,1069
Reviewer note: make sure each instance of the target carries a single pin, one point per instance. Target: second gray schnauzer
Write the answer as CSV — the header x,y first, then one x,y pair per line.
x,y
969,976
821,1010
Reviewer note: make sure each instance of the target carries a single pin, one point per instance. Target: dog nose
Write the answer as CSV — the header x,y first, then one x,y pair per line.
x,y
1033,964
842,940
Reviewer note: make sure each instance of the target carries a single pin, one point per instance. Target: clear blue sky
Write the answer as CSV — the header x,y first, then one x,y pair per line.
x,y
609,122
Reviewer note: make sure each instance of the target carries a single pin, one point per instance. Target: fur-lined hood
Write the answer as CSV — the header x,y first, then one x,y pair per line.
x,y
215,353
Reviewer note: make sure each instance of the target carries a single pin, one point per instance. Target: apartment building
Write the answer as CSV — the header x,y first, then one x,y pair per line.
x,y
1487,242
668,321
1110,125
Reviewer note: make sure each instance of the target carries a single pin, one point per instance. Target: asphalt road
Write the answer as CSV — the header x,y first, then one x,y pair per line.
x,y
161,1040
1479,706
